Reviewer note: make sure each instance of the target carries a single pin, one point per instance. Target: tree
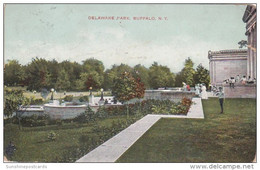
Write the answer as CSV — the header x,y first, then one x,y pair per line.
x,y
202,75
160,76
13,73
12,100
53,72
37,75
113,73
73,70
187,74
142,72
126,87
139,88
93,65
91,79
179,79
93,69
63,82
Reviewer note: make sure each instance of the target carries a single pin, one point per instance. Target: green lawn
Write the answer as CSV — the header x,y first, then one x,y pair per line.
x,y
228,137
33,145
59,95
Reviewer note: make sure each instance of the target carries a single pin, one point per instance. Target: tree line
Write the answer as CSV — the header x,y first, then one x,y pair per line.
x,y
72,76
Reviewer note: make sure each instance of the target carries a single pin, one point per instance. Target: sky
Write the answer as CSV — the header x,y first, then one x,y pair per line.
x,y
69,32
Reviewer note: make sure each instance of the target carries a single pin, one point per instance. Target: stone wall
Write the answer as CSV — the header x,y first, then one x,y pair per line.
x,y
30,110
240,91
63,112
26,113
228,68
225,64
175,96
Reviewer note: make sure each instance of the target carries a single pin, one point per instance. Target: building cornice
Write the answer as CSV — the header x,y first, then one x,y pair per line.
x,y
228,58
227,53
249,12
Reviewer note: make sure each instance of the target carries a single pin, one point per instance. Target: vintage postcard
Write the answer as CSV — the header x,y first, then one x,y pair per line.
x,y
130,83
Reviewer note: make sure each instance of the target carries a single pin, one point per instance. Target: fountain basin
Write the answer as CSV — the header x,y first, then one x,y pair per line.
x,y
64,112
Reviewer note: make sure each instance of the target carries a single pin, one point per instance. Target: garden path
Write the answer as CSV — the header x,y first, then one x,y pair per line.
x,y
112,149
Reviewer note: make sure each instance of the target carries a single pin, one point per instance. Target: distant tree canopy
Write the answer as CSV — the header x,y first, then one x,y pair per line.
x,y
202,75
160,76
113,73
71,76
143,73
63,82
13,73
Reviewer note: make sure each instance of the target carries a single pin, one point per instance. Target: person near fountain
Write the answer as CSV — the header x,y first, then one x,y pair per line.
x,y
197,88
204,94
221,96
184,86
188,87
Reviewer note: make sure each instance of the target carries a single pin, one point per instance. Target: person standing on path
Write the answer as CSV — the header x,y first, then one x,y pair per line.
x,y
221,97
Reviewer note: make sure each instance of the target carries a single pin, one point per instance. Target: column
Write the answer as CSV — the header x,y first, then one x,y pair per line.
x,y
251,54
248,54
211,71
255,52
214,72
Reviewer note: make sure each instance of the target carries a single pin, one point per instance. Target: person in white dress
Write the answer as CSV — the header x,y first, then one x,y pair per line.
x,y
197,88
184,86
204,94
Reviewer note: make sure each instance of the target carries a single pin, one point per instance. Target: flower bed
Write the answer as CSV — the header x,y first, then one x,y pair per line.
x,y
152,106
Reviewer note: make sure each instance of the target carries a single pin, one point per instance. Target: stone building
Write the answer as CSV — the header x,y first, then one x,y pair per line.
x,y
250,19
227,63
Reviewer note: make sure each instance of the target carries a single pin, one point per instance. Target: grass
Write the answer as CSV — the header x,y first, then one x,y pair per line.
x,y
228,137
33,145
59,95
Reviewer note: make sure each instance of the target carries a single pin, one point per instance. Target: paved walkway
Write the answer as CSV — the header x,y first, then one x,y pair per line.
x,y
112,149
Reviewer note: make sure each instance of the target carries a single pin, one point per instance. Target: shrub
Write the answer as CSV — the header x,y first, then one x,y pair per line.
x,y
36,101
101,113
68,98
11,120
87,116
116,110
59,122
186,102
52,136
83,99
10,150
34,120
